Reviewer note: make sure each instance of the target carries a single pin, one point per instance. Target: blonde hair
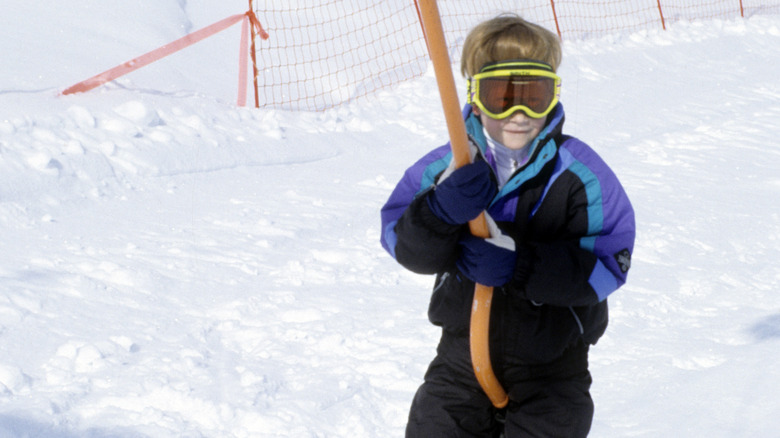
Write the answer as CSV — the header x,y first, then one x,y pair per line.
x,y
506,37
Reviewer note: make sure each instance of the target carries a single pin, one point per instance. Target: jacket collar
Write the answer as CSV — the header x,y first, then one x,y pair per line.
x,y
543,148
552,130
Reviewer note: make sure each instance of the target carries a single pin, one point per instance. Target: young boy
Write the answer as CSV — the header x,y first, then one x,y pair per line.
x,y
570,231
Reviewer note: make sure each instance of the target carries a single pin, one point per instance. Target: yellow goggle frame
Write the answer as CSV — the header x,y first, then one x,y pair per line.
x,y
528,85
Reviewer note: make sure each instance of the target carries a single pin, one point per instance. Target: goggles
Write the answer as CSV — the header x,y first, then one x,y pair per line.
x,y
502,88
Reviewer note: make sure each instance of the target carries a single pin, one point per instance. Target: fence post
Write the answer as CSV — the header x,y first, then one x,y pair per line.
x,y
252,49
741,9
555,16
660,11
422,25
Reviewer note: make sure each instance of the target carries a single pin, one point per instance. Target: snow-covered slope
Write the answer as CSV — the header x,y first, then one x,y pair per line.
x,y
175,266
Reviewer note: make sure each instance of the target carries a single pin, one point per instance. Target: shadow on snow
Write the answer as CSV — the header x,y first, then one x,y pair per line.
x,y
14,427
767,328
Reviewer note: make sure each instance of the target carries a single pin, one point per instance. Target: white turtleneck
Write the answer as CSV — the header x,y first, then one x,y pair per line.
x,y
507,160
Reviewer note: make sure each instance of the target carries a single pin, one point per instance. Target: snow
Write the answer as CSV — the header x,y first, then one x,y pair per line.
x,y
176,266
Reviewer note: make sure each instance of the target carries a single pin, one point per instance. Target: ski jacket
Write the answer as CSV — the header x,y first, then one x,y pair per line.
x,y
574,229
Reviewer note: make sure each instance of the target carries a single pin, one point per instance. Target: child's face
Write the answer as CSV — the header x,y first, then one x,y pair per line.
x,y
515,131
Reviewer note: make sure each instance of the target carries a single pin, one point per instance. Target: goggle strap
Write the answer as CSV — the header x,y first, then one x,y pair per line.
x,y
517,64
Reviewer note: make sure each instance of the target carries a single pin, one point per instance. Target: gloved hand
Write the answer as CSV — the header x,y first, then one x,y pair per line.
x,y
464,194
491,261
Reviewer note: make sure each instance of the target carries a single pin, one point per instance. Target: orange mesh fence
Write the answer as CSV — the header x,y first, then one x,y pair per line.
x,y
324,53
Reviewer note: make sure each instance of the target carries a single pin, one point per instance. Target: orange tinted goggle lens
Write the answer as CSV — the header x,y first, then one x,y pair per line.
x,y
502,93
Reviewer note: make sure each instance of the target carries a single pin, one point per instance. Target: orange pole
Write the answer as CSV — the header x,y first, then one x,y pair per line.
x,y
483,295
661,12
154,55
254,58
422,25
242,54
555,16
161,52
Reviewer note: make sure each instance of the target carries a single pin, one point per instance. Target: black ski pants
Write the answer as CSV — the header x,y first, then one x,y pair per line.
x,y
546,401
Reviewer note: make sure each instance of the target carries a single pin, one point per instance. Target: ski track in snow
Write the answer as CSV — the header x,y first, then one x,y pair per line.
x,y
176,266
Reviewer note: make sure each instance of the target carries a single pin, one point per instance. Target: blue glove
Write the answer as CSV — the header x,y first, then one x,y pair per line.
x,y
487,261
464,194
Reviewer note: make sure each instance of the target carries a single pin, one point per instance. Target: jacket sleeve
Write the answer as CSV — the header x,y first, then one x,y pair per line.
x,y
593,260
426,244
411,233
